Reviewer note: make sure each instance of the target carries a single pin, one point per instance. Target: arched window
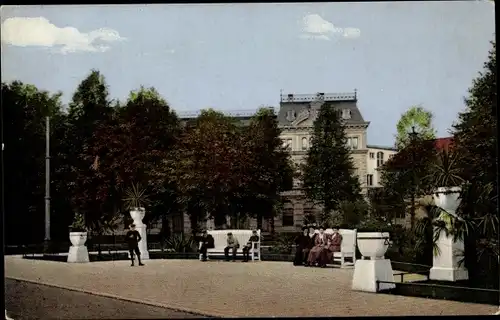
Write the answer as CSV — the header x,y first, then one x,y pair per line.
x,y
380,158
305,143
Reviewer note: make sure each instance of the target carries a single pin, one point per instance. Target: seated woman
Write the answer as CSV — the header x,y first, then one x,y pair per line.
x,y
303,243
333,245
317,253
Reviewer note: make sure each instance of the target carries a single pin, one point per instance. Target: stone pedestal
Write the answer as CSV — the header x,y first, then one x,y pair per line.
x,y
445,266
138,215
368,272
78,254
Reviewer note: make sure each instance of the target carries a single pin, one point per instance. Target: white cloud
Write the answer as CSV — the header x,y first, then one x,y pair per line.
x,y
315,27
24,32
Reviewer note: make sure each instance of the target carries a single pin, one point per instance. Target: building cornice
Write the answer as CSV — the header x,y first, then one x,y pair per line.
x,y
363,125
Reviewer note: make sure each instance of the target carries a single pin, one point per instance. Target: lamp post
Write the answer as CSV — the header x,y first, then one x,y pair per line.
x,y
47,184
413,136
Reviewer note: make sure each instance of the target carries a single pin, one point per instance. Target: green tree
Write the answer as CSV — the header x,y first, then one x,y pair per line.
x,y
90,106
129,147
475,137
271,170
209,166
24,110
421,120
329,174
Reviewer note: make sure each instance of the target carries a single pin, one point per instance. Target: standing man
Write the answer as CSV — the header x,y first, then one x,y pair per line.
x,y
246,249
207,242
232,244
133,237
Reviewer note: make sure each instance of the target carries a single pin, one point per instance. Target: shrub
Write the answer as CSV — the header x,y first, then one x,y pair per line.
x,y
181,243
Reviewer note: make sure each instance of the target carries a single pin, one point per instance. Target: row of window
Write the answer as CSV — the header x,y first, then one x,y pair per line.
x,y
352,143
380,158
287,216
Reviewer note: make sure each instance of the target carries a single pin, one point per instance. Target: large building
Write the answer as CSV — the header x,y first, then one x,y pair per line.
x,y
296,116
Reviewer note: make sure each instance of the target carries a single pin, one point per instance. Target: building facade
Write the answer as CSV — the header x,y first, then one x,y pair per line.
x,y
377,156
296,116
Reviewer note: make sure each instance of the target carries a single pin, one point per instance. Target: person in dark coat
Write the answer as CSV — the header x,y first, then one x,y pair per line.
x,y
246,248
303,243
207,242
133,237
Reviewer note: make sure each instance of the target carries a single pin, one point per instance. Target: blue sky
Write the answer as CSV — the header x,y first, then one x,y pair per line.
x,y
239,56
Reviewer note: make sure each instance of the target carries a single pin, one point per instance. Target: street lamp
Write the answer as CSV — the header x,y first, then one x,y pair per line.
x,y
47,185
413,137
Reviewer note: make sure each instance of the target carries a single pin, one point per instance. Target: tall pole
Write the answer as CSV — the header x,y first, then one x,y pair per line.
x,y
413,135
47,181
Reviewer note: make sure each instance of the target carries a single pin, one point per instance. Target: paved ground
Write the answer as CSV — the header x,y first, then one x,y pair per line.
x,y
26,301
233,289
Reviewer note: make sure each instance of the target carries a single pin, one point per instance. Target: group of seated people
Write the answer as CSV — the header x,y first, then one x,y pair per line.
x,y
207,242
315,249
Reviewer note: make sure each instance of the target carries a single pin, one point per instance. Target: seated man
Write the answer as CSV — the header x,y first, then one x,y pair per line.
x,y
246,249
207,242
232,244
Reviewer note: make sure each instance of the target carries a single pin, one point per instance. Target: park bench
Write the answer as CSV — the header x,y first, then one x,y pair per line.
x,y
220,242
347,247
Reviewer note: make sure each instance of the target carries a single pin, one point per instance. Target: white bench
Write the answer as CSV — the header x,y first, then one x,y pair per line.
x,y
347,246
220,242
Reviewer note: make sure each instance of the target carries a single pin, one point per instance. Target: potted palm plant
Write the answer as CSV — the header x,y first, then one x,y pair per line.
x,y
445,178
135,200
78,231
448,235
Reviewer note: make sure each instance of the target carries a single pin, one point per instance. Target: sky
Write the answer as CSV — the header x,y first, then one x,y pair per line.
x,y
239,56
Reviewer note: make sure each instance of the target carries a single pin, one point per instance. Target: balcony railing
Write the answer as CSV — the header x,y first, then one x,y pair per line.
x,y
342,96
228,113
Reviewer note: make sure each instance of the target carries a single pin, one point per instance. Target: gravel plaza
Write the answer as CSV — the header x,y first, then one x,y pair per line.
x,y
232,289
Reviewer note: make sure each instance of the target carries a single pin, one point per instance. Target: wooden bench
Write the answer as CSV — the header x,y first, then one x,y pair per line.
x,y
347,247
220,242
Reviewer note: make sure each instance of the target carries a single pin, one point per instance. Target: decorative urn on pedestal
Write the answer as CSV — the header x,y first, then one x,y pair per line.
x,y
136,200
373,267
78,252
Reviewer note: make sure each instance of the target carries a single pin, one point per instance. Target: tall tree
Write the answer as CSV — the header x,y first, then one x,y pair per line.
x,y
421,120
24,110
89,107
476,140
271,167
329,173
209,167
128,148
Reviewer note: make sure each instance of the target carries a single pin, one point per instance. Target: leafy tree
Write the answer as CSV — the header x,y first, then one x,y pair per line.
x,y
90,106
329,174
209,166
24,110
129,147
421,120
475,136
271,169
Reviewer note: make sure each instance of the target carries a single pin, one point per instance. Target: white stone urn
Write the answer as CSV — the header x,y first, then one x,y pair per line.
x,y
368,273
78,239
448,199
137,215
373,244
78,252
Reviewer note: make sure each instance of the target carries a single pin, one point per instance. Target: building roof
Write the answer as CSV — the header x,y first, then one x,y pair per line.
x,y
299,102
443,143
373,146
